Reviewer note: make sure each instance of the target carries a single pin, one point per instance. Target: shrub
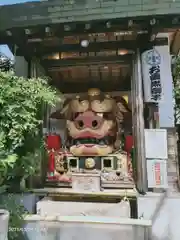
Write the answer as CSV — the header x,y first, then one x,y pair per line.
x,y
21,105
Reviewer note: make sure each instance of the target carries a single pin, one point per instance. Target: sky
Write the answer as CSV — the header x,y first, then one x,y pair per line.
x,y
3,48
7,2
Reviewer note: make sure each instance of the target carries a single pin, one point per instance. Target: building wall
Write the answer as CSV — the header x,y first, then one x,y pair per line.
x,y
166,115
172,164
165,226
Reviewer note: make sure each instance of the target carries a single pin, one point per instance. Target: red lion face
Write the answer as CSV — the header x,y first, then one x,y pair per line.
x,y
91,124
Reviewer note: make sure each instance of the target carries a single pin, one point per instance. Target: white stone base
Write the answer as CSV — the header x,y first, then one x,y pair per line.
x,y
48,207
4,220
86,227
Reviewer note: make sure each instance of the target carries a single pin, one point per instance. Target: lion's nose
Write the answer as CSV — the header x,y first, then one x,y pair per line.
x,y
88,120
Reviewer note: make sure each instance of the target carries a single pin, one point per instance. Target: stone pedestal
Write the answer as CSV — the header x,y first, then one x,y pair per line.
x,y
4,220
48,207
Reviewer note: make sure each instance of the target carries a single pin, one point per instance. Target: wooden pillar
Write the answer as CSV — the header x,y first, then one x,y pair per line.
x,y
138,125
21,67
33,69
37,181
36,70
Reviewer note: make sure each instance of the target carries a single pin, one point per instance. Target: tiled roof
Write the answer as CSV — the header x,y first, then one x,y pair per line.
x,y
55,11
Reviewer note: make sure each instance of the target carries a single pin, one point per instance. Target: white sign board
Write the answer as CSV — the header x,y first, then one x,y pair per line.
x,y
86,182
157,173
152,73
156,143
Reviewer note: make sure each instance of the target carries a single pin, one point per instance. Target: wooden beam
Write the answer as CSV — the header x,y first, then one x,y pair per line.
x,y
113,80
123,60
21,16
92,47
19,39
69,87
39,36
147,41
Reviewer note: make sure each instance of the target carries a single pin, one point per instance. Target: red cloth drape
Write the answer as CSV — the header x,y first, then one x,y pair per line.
x,y
128,143
53,142
128,148
51,165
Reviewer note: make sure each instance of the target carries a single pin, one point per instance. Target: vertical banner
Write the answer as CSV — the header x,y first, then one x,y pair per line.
x,y
158,83
152,76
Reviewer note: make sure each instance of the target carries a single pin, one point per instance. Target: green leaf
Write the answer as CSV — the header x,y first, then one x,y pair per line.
x,y
21,104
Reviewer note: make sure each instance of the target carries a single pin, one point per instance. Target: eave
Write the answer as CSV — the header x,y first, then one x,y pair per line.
x,y
38,31
53,12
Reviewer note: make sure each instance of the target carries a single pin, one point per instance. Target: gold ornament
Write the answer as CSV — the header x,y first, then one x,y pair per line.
x,y
107,96
89,162
94,92
59,163
126,98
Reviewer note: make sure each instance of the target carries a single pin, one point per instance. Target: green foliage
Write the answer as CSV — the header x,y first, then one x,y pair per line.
x,y
17,212
176,81
21,106
7,161
20,102
21,143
